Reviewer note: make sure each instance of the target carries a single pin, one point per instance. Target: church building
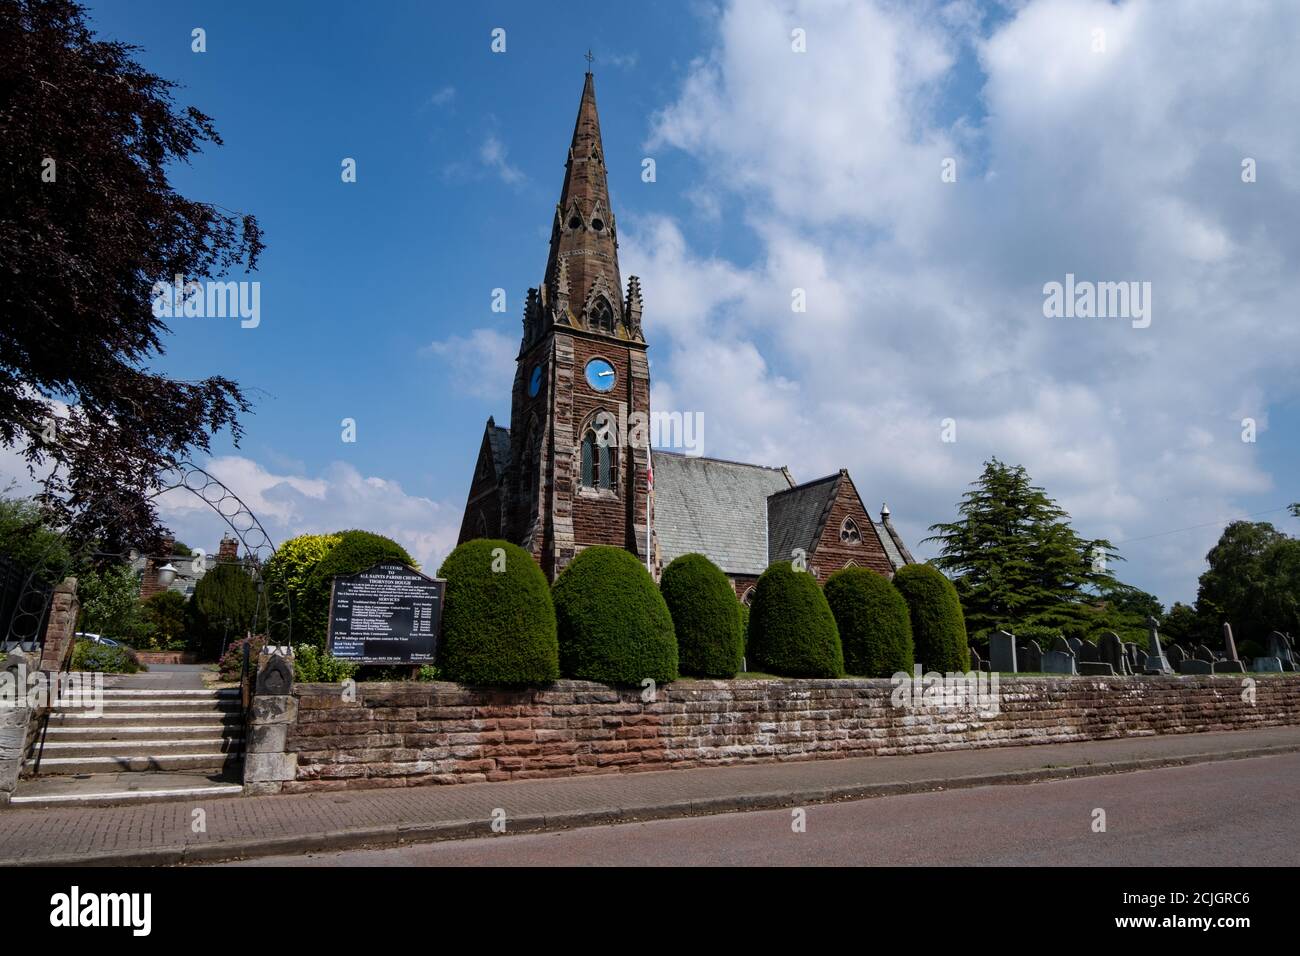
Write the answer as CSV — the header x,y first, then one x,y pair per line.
x,y
560,479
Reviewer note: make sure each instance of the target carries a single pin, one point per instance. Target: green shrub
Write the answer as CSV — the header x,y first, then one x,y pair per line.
x,y
355,551
428,672
231,665
1040,633
938,627
612,622
791,629
872,617
311,665
706,616
744,629
89,656
498,622
223,609
165,615
288,579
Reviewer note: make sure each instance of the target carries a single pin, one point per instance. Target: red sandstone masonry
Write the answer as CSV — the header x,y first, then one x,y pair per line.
x,y
405,734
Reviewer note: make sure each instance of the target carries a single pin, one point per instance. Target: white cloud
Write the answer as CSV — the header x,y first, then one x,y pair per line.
x,y
925,297
481,363
493,155
338,498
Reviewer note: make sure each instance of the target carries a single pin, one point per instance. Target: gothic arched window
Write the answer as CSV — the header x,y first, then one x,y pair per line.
x,y
849,533
599,461
602,316
748,599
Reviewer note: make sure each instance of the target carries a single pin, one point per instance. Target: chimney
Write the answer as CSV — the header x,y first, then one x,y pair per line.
x,y
149,585
228,550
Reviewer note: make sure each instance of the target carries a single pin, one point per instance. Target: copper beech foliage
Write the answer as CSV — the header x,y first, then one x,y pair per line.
x,y
82,241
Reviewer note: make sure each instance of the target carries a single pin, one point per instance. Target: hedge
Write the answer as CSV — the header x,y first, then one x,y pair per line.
x,y
498,622
706,616
938,626
791,629
355,551
613,625
872,617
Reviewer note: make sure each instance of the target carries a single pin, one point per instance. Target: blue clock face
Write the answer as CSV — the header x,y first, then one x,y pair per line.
x,y
535,381
600,375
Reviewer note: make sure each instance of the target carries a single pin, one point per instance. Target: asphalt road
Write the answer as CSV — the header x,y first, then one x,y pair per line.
x,y
1231,813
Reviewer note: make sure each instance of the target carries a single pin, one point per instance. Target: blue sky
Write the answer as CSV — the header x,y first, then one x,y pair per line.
x,y
775,170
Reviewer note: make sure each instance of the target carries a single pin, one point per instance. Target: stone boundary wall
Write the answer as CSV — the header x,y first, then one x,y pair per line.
x,y
405,734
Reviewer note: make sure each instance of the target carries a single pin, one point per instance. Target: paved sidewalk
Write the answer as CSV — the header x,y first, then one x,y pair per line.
x,y
161,833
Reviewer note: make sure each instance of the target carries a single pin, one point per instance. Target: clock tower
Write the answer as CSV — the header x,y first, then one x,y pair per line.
x,y
575,473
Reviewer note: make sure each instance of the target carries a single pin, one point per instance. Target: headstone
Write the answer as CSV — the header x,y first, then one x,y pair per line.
x,y
1074,644
1131,652
1095,669
1031,658
1058,662
1155,662
1194,665
1203,653
975,660
1280,647
1228,667
1114,653
1061,646
1175,655
1002,652
1229,645
1087,651
1266,665
1139,661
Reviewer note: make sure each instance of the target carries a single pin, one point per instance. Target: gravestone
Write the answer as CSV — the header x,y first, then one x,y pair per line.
x,y
1280,647
1131,652
975,660
1087,651
1156,663
1266,665
1175,655
1112,651
1095,669
1203,653
1194,665
1231,665
1139,661
1074,644
1031,658
1061,646
1229,645
1002,652
1058,662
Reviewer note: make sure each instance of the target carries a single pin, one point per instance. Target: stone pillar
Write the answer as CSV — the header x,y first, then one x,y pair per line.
x,y
56,651
149,585
268,763
15,718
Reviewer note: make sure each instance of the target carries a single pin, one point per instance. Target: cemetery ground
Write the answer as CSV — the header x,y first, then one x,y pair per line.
x,y
1174,797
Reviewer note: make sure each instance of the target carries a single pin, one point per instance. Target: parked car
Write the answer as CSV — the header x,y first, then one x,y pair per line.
x,y
97,639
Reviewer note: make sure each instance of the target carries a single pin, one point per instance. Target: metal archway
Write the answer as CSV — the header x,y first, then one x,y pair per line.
x,y
24,631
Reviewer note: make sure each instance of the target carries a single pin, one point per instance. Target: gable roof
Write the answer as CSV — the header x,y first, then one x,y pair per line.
x,y
499,440
715,508
796,516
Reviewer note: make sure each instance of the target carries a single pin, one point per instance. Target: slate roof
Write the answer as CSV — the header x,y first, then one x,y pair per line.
x,y
891,548
796,515
715,508
499,440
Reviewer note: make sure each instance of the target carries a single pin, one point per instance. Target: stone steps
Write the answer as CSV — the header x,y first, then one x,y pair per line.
x,y
217,761
112,789
124,749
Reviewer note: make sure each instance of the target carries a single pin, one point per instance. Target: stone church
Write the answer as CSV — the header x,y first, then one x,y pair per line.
x,y
556,481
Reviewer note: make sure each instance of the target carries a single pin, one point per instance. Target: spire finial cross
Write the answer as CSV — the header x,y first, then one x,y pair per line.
x,y
588,57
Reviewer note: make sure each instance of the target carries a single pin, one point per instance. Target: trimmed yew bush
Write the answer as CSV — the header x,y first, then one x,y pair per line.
x,y
354,551
938,626
873,620
613,625
791,629
706,616
498,623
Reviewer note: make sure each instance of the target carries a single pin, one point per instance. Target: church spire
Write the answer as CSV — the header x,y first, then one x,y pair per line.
x,y
584,240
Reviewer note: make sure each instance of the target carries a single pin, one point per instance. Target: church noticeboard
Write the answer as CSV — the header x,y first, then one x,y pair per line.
x,y
386,614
